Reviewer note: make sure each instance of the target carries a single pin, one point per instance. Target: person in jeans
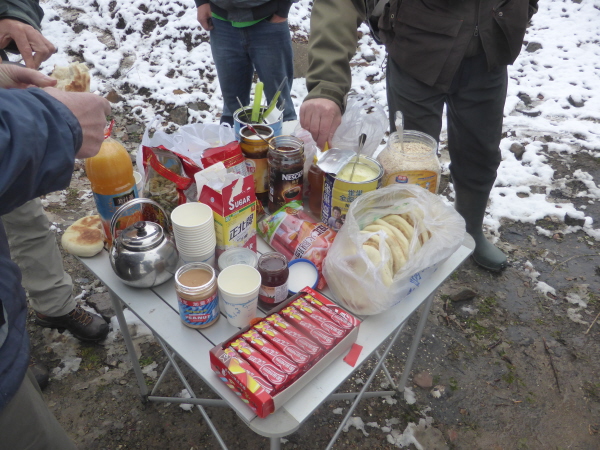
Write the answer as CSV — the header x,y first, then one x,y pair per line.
x,y
252,35
440,52
42,131
33,245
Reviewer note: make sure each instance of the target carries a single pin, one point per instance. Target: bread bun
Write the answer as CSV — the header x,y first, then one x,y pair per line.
x,y
73,78
85,237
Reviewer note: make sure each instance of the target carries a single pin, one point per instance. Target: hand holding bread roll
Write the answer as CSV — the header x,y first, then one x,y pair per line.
x,y
72,78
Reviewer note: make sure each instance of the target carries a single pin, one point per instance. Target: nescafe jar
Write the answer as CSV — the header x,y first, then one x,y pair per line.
x,y
286,170
196,287
274,273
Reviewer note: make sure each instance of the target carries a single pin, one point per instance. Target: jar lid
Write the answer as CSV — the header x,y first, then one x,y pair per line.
x,y
142,236
303,273
238,255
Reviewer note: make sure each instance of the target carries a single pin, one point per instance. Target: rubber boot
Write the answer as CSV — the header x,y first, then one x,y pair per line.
x,y
471,206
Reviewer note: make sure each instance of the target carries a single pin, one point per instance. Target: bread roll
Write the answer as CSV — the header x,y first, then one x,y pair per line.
x,y
73,78
85,237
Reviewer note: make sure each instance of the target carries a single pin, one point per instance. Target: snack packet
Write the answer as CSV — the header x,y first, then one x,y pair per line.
x,y
295,234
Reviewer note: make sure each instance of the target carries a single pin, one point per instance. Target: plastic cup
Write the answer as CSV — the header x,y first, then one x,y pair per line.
x,y
238,293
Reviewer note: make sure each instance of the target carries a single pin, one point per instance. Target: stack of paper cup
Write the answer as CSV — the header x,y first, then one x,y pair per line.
x,y
238,293
194,230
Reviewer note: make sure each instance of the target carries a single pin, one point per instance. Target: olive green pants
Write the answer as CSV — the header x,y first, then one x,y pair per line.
x,y
34,249
27,423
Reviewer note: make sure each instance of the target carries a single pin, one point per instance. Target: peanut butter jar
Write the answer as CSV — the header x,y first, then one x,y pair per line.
x,y
197,295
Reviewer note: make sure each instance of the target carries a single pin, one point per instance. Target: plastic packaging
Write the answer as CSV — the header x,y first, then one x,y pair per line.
x,y
356,282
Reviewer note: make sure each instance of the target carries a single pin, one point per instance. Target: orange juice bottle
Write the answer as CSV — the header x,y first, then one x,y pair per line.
x,y
111,175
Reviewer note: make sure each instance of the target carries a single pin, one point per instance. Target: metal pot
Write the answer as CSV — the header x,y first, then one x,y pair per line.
x,y
144,254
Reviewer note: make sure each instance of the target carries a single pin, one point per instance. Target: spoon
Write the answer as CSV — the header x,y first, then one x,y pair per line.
x,y
361,143
399,122
251,128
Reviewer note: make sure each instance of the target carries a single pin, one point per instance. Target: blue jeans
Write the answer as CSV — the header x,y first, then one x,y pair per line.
x,y
237,52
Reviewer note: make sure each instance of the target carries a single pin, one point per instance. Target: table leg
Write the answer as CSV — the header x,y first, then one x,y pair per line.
x,y
275,443
387,372
129,344
416,341
191,392
367,384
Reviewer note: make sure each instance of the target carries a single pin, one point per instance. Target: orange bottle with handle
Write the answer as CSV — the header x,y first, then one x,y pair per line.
x,y
111,175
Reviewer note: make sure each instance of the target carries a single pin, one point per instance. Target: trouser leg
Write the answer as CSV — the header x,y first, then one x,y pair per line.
x,y
35,250
475,114
234,67
475,111
270,48
421,105
26,422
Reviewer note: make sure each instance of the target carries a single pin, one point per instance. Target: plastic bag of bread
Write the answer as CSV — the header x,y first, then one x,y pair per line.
x,y
391,242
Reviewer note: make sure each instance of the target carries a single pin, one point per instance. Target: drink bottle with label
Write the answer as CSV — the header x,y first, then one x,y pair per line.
x,y
111,175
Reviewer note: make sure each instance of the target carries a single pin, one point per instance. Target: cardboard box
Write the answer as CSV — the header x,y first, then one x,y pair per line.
x,y
257,398
235,214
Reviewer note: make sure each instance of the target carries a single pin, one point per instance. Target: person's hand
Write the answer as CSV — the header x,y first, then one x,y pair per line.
x,y
15,76
321,117
34,48
204,16
91,111
277,19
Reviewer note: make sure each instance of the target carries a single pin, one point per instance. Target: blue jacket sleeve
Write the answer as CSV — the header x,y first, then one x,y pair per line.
x,y
39,137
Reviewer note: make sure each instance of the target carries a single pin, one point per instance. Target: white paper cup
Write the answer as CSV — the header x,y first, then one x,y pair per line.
x,y
192,216
238,293
195,251
210,259
139,181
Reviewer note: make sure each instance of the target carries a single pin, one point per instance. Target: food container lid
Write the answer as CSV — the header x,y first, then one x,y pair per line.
x,y
238,255
303,273
142,236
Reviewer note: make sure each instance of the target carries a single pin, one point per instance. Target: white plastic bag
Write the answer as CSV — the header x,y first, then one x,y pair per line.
x,y
356,282
189,140
361,116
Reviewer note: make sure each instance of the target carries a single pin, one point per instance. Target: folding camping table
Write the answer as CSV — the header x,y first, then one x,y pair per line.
x,y
158,309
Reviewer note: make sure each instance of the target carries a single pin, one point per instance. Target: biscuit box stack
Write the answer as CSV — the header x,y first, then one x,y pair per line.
x,y
269,362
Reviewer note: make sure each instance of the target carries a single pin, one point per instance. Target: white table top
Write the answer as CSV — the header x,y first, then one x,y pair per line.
x,y
158,309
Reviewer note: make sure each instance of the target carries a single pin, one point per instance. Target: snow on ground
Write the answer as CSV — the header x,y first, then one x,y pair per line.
x,y
156,51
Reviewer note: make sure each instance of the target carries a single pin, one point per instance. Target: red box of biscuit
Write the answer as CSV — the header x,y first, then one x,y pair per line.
x,y
256,378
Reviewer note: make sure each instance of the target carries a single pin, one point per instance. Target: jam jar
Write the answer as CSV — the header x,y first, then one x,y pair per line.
x,y
286,170
197,296
255,149
274,273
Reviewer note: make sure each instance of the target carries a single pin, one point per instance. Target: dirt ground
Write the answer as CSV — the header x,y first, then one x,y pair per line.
x,y
504,363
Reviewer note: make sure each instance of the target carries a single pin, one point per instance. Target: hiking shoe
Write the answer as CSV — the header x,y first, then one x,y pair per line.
x,y
85,326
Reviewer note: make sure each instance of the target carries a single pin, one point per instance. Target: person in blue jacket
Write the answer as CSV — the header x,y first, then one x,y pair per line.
x,y
42,131
33,245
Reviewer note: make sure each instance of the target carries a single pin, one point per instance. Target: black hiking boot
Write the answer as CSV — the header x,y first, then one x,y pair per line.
x,y
85,326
